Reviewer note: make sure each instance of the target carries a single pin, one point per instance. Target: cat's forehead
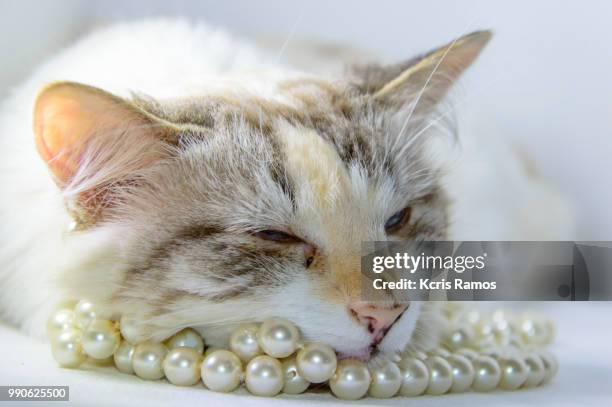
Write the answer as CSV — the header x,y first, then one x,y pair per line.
x,y
299,109
308,102
315,144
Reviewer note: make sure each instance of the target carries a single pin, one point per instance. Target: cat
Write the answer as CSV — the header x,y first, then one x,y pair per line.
x,y
181,177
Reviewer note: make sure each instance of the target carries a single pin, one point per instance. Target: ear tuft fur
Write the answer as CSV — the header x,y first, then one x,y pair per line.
x,y
428,77
93,141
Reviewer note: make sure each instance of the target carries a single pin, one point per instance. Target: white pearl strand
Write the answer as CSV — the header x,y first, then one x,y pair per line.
x,y
481,353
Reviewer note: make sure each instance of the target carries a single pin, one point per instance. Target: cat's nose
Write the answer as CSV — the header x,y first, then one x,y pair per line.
x,y
377,319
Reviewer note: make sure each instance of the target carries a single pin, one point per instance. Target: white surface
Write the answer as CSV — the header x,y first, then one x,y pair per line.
x,y
582,347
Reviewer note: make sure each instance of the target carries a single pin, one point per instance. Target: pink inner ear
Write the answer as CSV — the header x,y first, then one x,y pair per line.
x,y
57,135
71,120
67,117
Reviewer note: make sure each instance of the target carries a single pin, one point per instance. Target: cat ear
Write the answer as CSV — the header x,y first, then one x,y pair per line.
x,y
94,142
427,77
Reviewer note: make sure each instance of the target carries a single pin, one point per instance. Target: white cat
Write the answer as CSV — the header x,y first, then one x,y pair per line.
x,y
239,188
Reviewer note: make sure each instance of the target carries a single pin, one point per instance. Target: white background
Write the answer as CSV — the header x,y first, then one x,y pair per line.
x,y
545,79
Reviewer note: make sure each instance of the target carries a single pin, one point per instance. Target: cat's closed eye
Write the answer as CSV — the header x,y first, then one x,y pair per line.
x,y
398,220
277,236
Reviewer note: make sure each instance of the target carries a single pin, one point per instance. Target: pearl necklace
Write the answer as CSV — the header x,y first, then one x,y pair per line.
x,y
481,354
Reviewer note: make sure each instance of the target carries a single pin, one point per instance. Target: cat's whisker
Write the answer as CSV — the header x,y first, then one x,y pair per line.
x,y
289,37
421,92
425,172
454,107
413,138
187,315
433,72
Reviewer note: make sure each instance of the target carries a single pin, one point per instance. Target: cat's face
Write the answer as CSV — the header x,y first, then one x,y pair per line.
x,y
231,208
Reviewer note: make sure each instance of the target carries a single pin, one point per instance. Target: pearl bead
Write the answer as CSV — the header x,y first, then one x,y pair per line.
x,y
470,317
278,337
492,351
534,331
487,373
351,380
294,382
452,309
60,321
84,313
106,362
415,377
484,334
502,332
502,314
221,371
460,337
65,304
123,357
442,352
264,376
483,353
210,350
66,348
101,339
129,330
316,362
516,341
147,360
420,355
182,366
463,373
549,330
243,342
467,352
550,365
386,381
514,373
187,338
440,375
536,372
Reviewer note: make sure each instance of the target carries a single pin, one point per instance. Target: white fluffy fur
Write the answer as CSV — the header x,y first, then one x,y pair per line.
x,y
494,197
33,242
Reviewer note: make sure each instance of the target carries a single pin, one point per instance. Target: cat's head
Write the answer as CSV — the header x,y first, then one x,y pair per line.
x,y
231,207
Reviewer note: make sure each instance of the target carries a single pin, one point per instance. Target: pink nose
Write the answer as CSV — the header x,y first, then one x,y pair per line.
x,y
377,319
